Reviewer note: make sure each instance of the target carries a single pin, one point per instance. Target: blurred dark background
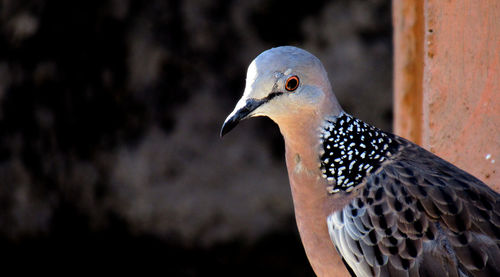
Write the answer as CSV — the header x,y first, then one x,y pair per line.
x,y
110,110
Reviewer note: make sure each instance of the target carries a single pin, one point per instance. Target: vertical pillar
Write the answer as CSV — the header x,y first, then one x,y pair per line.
x,y
408,24
454,110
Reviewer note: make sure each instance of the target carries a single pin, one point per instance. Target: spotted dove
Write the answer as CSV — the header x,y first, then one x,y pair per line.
x,y
386,205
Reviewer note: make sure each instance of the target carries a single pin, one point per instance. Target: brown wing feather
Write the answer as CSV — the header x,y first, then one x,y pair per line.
x,y
420,216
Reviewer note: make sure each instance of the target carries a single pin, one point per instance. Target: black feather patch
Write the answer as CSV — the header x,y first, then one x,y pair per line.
x,y
353,149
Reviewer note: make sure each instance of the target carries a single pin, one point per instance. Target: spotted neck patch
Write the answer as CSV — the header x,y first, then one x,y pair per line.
x,y
351,150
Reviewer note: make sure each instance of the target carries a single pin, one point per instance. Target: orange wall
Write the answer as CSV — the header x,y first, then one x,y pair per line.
x,y
447,81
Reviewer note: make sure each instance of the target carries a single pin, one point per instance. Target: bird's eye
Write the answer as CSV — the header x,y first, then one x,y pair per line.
x,y
292,83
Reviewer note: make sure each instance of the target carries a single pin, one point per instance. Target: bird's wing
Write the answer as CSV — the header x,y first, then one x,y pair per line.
x,y
420,216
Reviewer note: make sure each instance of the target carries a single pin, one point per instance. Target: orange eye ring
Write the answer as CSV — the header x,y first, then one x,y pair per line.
x,y
292,83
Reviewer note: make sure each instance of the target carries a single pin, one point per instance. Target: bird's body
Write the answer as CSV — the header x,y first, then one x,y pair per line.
x,y
415,214
386,205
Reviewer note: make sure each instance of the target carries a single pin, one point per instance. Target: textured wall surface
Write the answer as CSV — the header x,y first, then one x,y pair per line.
x,y
447,81
462,85
109,120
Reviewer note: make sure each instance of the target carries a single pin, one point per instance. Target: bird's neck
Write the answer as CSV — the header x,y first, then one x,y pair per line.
x,y
300,127
327,157
310,198
303,143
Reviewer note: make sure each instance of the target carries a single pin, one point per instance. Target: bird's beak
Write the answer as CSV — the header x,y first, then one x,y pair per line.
x,y
243,110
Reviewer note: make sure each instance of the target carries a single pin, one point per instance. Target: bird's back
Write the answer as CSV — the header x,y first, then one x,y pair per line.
x,y
418,215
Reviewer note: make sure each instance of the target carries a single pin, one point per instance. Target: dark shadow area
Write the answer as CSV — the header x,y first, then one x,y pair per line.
x,y
73,247
110,112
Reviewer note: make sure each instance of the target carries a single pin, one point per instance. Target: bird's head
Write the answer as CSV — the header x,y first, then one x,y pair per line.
x,y
284,84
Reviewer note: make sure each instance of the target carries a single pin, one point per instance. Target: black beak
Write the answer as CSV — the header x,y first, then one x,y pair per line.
x,y
239,115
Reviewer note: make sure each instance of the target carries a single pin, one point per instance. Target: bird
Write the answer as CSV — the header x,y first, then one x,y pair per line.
x,y
387,206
